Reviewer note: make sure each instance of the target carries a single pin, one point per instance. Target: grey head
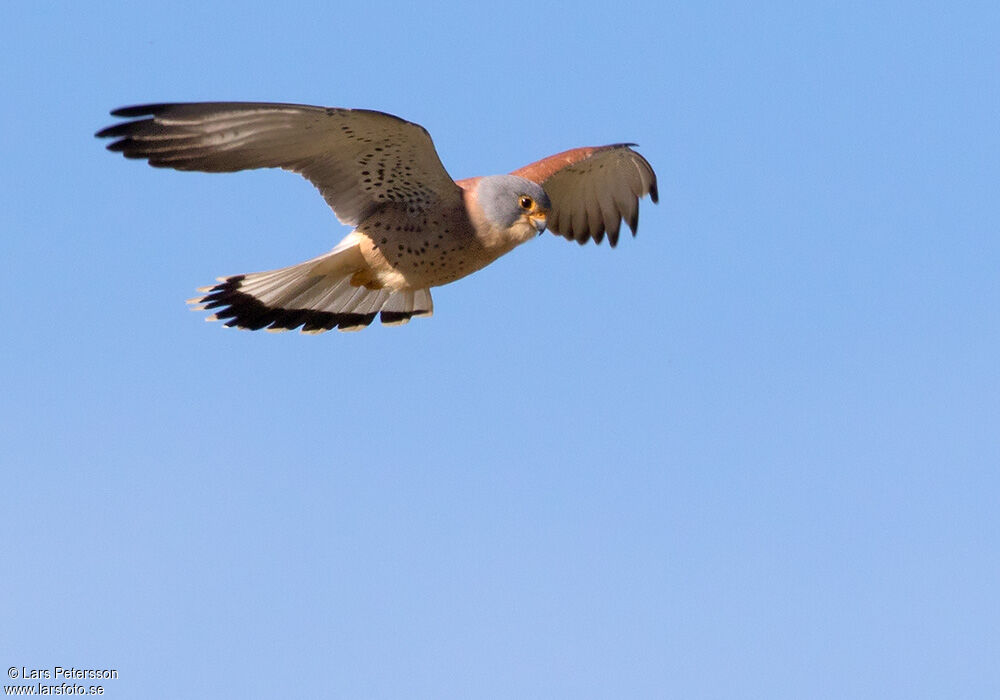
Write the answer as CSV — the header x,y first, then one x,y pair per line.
x,y
505,199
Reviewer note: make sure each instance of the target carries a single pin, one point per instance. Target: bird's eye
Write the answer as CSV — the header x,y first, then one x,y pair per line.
x,y
526,202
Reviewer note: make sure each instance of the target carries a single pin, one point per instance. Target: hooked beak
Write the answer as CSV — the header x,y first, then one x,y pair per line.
x,y
538,219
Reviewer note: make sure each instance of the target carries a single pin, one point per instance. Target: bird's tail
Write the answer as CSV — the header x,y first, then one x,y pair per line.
x,y
317,295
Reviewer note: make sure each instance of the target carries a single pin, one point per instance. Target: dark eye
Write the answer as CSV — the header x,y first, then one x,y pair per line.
x,y
526,202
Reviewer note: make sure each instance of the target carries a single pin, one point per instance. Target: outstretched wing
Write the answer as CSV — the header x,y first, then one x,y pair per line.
x,y
591,189
359,160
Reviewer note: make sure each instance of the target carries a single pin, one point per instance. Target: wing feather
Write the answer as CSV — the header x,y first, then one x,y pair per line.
x,y
360,160
592,189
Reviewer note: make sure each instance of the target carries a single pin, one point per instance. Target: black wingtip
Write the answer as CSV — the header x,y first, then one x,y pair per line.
x,y
654,194
138,110
122,129
108,131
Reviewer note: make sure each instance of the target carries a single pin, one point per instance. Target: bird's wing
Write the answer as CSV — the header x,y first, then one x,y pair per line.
x,y
591,189
359,160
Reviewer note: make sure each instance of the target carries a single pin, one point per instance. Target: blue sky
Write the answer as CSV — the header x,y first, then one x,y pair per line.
x,y
752,452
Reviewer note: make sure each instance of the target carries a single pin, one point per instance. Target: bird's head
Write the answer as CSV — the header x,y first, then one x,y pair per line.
x,y
514,205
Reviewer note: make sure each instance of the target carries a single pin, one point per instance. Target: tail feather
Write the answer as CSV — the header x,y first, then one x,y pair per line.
x,y
405,304
316,295
422,303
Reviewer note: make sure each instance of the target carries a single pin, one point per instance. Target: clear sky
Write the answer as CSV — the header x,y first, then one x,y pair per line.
x,y
753,452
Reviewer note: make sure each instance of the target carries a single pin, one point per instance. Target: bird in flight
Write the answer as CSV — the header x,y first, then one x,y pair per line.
x,y
414,227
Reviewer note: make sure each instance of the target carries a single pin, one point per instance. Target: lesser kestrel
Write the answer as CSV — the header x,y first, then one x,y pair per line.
x,y
414,227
